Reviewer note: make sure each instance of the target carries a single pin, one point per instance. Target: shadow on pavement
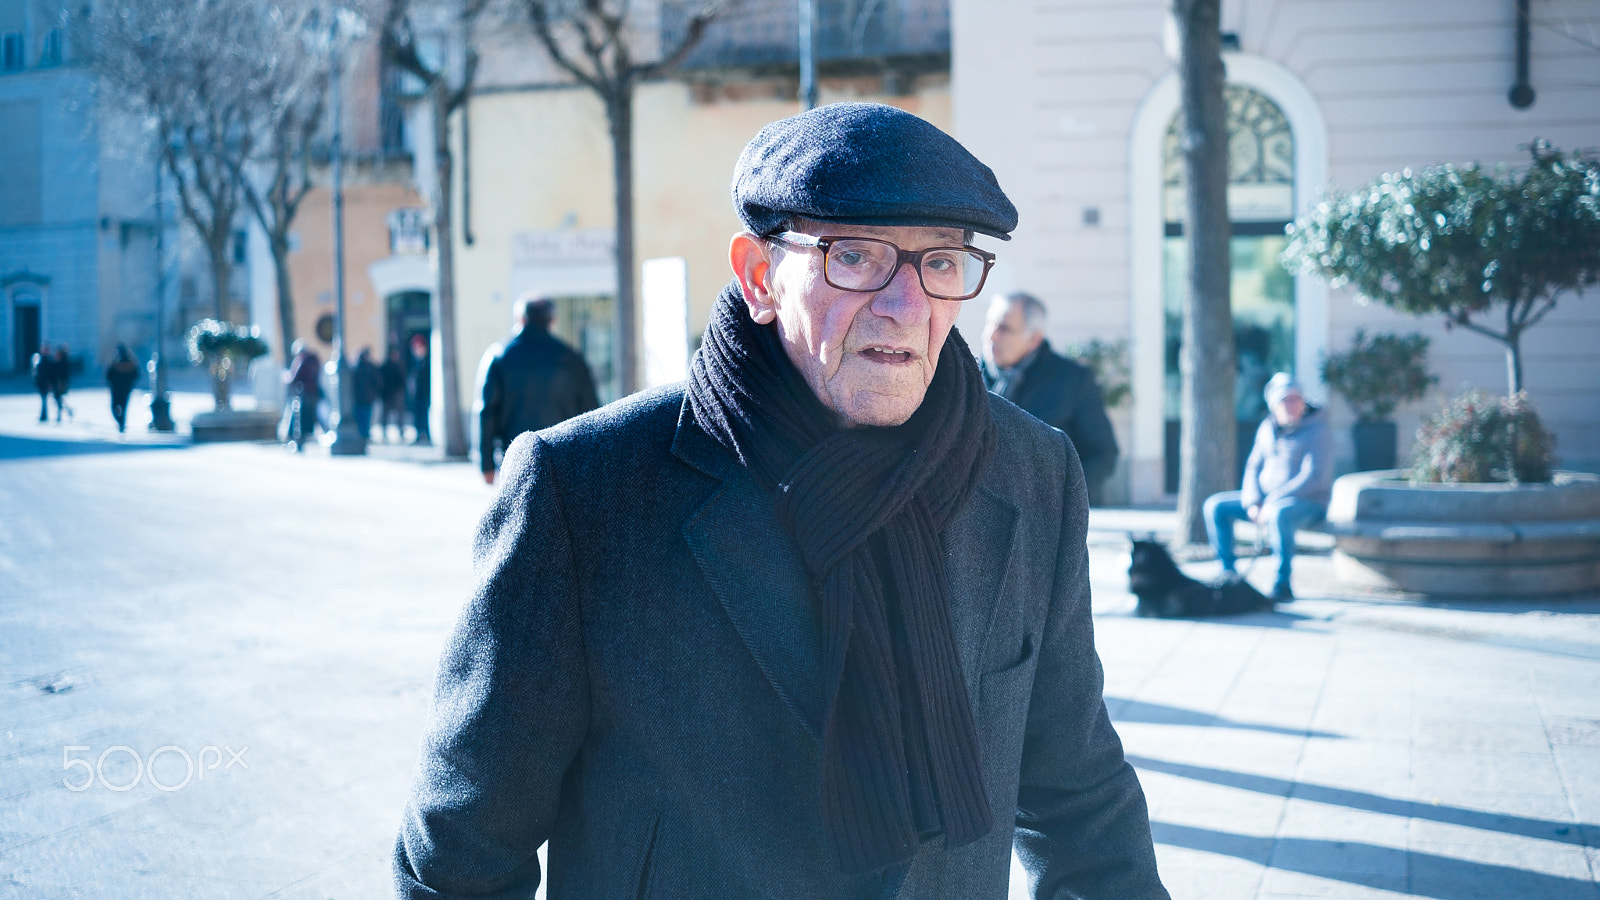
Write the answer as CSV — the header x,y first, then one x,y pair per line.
x,y
1161,714
1352,862
15,448
1542,829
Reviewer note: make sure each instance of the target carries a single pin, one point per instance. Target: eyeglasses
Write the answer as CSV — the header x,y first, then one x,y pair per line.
x,y
867,264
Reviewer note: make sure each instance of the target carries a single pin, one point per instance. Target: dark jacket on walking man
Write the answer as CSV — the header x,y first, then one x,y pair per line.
x,y
419,386
392,393
1021,366
534,382
121,376
61,380
813,625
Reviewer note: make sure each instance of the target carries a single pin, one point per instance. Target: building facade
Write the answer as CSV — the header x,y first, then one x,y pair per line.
x,y
1074,103
77,218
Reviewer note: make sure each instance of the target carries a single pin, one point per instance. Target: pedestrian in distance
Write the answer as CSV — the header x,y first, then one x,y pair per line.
x,y
814,624
121,376
534,382
367,385
420,388
1288,480
392,391
305,392
43,369
1020,365
61,380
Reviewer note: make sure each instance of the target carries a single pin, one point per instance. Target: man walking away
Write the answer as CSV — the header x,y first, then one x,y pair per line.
x,y
61,381
367,384
535,382
392,390
1020,365
120,377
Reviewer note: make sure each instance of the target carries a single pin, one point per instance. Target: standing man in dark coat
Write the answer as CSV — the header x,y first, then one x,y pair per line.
x,y
814,624
1020,366
534,382
420,387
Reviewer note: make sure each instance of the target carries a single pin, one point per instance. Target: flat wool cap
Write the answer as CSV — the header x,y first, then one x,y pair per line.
x,y
866,164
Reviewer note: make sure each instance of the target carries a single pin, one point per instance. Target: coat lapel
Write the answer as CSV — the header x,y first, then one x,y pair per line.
x,y
978,549
755,570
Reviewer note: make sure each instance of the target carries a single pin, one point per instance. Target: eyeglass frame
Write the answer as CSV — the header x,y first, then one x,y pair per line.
x,y
824,241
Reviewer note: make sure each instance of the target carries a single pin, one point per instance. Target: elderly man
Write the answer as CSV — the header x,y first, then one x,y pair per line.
x,y
813,625
1020,366
1288,480
535,381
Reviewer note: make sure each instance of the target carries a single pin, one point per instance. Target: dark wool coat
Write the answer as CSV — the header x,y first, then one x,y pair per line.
x,y
534,382
637,679
1064,394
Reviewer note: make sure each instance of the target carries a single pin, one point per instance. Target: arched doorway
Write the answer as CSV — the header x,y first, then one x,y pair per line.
x,y
24,294
1261,204
1149,242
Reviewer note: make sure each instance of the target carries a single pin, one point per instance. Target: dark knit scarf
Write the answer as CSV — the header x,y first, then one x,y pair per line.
x,y
900,756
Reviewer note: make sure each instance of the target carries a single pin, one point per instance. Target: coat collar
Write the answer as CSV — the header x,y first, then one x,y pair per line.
x,y
755,570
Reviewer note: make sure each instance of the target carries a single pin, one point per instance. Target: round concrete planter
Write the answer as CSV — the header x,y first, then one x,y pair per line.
x,y
1485,540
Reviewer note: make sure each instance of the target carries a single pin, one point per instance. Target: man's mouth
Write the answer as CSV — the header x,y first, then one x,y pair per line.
x,y
887,355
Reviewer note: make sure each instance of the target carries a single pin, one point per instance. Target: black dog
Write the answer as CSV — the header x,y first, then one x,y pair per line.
x,y
1164,591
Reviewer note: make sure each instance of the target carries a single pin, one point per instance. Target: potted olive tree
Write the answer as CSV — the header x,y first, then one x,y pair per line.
x,y
226,351
1377,374
1492,251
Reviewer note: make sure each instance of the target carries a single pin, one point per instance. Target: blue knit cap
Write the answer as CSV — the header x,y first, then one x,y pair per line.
x,y
866,164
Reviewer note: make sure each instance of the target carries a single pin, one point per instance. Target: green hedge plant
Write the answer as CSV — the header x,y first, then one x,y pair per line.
x,y
1480,437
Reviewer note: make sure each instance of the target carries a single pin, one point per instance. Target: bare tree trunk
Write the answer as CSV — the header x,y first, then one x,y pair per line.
x,y
619,111
221,272
1513,363
448,394
1208,362
280,269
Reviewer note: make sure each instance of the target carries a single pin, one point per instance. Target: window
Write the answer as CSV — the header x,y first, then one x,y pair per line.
x,y
11,52
1261,205
50,49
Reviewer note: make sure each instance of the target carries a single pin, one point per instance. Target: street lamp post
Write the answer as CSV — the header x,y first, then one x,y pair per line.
x,y
348,439
160,405
808,54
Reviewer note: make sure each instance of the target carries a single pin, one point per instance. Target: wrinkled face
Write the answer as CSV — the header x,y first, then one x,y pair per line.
x,y
1006,335
869,357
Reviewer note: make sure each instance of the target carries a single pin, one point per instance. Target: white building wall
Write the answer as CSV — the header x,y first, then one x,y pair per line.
x,y
1050,95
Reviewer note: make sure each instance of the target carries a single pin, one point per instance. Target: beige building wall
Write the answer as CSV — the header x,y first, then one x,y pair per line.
x,y
541,161
366,240
1065,100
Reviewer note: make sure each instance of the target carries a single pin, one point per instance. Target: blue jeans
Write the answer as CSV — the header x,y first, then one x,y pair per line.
x,y
1282,519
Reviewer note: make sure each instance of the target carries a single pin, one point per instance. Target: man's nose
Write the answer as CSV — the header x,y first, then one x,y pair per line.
x,y
903,298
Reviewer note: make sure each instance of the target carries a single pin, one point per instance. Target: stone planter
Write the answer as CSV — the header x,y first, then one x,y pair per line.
x,y
1482,540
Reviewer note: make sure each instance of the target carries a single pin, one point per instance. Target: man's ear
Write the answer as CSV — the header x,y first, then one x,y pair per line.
x,y
747,254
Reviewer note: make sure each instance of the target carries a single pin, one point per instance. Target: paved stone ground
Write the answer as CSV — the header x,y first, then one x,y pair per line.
x,y
159,600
